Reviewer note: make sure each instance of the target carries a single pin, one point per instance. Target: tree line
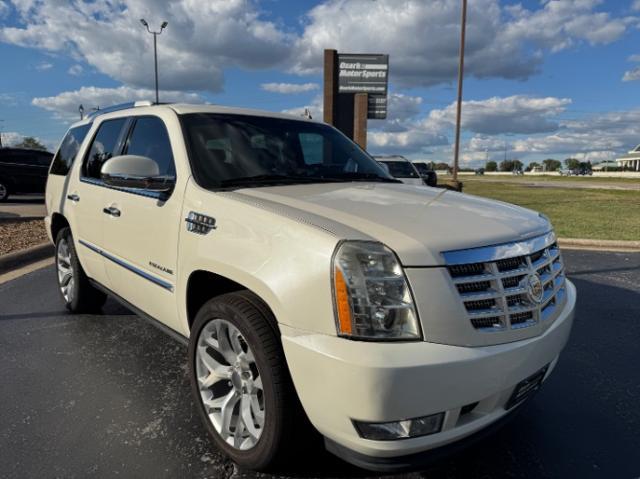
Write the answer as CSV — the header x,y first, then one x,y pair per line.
x,y
549,164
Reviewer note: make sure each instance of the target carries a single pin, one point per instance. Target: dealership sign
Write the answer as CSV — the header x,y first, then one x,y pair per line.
x,y
362,73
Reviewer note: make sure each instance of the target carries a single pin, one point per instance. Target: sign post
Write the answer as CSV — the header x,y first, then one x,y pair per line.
x,y
355,90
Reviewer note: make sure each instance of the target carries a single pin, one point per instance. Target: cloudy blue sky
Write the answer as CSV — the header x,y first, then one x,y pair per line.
x,y
544,78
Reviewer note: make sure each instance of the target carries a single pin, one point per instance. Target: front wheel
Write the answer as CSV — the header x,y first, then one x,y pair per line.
x,y
240,380
78,293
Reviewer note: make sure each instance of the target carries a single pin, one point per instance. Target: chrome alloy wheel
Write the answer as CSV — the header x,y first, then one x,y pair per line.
x,y
230,384
65,269
3,191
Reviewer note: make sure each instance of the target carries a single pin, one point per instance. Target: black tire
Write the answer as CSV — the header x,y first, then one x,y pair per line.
x,y
5,191
255,322
83,297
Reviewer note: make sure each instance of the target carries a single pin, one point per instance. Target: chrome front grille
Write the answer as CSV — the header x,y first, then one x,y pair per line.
x,y
499,285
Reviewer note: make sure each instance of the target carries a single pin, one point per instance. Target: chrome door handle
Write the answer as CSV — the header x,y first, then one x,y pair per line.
x,y
75,198
111,211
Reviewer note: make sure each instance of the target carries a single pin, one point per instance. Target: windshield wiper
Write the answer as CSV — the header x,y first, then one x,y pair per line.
x,y
291,179
354,176
271,179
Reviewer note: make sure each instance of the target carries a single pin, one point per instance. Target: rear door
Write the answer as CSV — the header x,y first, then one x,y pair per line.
x,y
141,239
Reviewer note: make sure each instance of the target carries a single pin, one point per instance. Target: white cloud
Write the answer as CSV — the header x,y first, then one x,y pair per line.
x,y
8,99
613,131
498,115
518,114
422,37
66,104
289,88
202,38
75,70
315,108
4,9
11,138
43,66
635,5
631,75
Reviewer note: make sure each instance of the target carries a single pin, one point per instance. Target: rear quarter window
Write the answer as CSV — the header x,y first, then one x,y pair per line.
x,y
68,150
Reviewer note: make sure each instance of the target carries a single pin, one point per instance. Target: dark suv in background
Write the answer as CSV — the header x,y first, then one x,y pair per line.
x,y
23,171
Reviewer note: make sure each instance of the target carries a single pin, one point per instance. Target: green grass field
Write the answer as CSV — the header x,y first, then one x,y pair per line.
x,y
575,213
589,180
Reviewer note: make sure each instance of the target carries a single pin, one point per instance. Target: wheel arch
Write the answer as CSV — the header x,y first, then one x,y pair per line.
x,y
58,221
204,285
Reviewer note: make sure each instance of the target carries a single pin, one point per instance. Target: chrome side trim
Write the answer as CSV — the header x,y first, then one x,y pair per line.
x,y
486,254
124,264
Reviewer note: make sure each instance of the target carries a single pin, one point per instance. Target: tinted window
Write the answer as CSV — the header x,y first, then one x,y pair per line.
x,y
150,138
68,150
225,148
312,148
401,169
44,159
103,147
422,168
22,157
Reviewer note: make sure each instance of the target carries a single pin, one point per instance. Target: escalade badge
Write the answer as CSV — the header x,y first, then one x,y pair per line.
x,y
535,290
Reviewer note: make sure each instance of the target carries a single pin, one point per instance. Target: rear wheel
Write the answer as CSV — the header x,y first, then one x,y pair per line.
x,y
4,191
77,292
240,380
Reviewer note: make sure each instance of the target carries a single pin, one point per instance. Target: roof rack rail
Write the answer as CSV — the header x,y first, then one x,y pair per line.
x,y
120,106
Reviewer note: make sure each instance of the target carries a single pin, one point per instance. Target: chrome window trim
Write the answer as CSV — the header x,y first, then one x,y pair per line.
x,y
124,264
162,196
497,252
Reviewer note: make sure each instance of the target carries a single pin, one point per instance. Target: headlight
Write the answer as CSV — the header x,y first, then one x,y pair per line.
x,y
371,294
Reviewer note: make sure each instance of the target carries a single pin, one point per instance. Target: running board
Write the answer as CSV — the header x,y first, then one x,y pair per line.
x,y
161,326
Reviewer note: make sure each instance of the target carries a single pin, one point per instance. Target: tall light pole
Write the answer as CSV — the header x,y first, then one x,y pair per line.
x,y
463,27
155,48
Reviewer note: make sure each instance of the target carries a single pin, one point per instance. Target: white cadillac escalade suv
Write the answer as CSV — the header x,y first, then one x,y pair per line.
x,y
304,278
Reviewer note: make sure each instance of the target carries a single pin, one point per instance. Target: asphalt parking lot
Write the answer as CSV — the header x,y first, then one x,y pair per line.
x,y
108,395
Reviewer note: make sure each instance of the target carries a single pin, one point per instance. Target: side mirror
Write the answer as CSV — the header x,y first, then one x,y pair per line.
x,y
132,171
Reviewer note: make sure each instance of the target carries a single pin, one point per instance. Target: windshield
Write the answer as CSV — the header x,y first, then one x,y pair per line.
x,y
401,169
233,150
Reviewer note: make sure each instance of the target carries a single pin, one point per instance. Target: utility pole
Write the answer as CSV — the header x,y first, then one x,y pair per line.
x,y
456,153
155,49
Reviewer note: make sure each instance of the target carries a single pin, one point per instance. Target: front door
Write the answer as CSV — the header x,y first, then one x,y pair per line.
x,y
141,229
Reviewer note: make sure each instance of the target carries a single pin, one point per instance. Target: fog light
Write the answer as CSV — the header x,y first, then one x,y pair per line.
x,y
389,431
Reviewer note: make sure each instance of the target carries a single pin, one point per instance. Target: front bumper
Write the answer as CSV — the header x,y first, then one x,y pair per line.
x,y
339,381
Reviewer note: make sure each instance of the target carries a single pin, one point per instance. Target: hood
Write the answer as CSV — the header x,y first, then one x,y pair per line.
x,y
417,222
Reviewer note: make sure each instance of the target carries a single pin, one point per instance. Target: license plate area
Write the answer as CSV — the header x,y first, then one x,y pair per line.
x,y
526,388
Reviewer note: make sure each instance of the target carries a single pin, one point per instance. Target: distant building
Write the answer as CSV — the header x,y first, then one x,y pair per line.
x,y
605,165
631,160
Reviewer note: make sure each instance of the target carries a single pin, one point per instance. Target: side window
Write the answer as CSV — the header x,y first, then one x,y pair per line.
x,y
103,147
44,159
150,138
68,150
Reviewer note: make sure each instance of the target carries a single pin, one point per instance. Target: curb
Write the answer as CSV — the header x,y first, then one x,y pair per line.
x,y
600,245
26,256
